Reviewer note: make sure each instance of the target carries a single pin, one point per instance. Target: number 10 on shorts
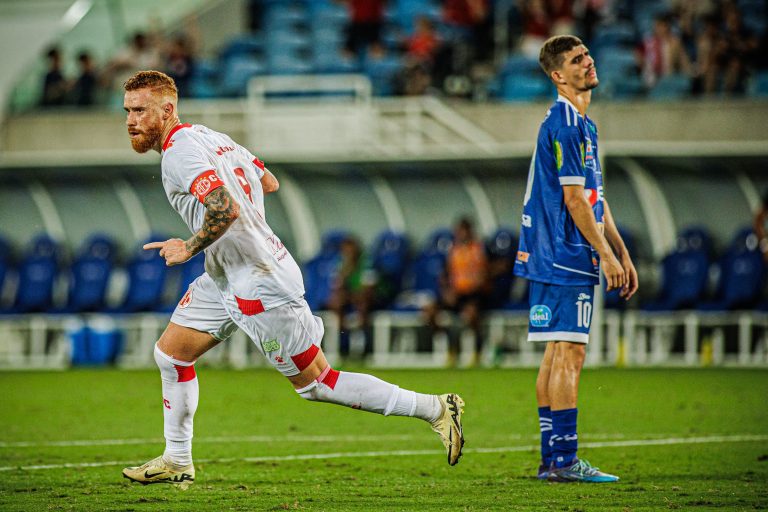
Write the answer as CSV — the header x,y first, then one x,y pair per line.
x,y
584,313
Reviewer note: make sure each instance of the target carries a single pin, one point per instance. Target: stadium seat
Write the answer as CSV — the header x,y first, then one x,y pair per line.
x,y
237,72
320,272
759,84
389,259
147,274
422,275
614,34
524,88
382,72
685,272
289,64
90,273
244,46
742,274
502,249
613,299
38,271
671,88
520,64
6,262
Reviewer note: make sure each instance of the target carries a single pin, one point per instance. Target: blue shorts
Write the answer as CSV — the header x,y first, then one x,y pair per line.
x,y
559,313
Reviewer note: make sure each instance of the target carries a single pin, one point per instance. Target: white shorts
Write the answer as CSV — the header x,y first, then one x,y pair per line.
x,y
288,335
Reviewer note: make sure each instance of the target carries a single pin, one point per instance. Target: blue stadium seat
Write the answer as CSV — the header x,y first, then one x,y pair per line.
x,y
524,88
742,274
237,72
6,263
389,257
520,64
759,84
90,273
670,88
320,272
685,272
147,274
614,34
422,275
613,299
244,46
38,270
289,64
382,72
502,250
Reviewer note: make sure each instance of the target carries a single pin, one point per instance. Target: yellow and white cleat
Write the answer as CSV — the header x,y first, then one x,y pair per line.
x,y
448,426
158,471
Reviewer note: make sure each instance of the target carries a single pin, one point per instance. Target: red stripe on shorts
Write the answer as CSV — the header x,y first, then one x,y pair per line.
x,y
249,307
330,378
305,358
186,373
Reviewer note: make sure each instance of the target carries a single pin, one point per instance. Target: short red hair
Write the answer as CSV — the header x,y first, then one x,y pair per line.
x,y
152,80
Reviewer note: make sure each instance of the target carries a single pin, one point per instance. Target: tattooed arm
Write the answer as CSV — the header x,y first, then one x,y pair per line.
x,y
221,210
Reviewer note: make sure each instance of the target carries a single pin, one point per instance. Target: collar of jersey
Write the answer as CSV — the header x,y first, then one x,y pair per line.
x,y
173,131
566,101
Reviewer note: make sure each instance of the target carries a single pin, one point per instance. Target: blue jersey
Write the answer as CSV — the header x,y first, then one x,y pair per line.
x,y
552,249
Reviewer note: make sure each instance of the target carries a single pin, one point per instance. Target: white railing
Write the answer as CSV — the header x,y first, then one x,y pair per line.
x,y
633,338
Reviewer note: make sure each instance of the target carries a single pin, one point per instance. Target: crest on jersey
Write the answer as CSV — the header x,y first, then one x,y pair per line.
x,y
558,154
186,299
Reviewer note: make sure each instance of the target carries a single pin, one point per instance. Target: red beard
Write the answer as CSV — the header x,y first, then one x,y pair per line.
x,y
147,140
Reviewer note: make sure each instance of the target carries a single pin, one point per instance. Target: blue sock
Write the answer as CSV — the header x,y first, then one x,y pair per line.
x,y
545,426
564,440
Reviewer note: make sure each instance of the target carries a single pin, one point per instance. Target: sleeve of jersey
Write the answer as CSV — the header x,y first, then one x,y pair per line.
x,y
193,172
568,147
258,165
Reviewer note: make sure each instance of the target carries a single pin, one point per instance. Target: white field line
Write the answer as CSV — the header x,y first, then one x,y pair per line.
x,y
271,439
400,453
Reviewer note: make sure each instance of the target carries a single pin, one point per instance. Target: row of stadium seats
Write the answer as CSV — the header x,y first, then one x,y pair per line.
x,y
29,283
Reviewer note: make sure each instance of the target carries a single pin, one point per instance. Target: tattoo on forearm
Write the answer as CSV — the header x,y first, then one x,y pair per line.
x,y
221,210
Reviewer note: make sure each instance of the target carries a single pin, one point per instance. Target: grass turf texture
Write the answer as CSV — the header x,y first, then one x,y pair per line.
x,y
615,405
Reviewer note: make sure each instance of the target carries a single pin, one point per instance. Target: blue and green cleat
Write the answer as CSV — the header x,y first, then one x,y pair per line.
x,y
579,471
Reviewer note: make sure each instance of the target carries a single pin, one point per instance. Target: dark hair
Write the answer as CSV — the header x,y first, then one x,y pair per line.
x,y
53,52
152,80
551,54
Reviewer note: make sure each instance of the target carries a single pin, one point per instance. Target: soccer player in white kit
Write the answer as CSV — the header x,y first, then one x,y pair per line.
x,y
251,281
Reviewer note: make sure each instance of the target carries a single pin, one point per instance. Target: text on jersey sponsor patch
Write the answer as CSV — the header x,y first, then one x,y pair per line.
x,y
204,184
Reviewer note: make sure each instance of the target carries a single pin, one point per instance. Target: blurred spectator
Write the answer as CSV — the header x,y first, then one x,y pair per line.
x,y
590,13
758,225
736,49
142,53
85,87
706,66
420,51
561,14
663,53
465,285
180,64
55,86
364,28
536,27
471,24
352,291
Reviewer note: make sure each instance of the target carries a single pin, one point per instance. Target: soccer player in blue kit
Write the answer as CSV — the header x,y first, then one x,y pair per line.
x,y
567,230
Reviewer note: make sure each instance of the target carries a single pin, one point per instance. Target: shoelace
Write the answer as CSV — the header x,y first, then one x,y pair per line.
x,y
586,468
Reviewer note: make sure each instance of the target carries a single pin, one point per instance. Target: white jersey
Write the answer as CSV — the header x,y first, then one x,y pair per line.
x,y
249,262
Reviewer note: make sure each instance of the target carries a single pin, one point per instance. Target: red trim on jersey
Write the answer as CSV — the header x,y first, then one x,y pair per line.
x,y
204,184
185,373
305,358
174,130
330,378
249,307
258,163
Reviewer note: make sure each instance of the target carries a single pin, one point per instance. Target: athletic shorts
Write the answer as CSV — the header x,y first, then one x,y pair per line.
x,y
288,335
559,313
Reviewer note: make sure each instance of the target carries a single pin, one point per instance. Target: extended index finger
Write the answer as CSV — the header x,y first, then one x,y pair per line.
x,y
153,245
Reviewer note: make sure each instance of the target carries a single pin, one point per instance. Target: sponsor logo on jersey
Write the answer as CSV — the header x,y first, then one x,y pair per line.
x,y
540,315
166,403
523,256
186,299
270,345
527,221
584,296
223,149
558,154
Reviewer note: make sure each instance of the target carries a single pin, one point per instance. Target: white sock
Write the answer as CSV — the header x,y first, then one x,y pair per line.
x,y
180,396
368,393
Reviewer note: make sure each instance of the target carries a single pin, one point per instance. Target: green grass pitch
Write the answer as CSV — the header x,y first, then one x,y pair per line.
x,y
679,439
